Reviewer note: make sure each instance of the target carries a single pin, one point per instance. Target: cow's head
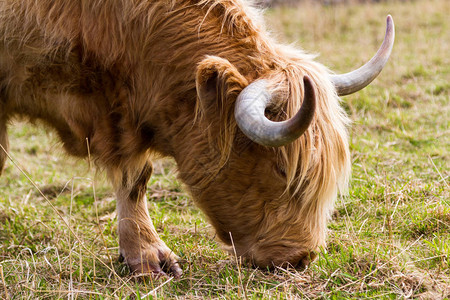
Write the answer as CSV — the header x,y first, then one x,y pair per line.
x,y
270,184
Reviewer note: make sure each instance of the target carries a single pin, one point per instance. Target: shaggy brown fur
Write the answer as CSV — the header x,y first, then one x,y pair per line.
x,y
139,77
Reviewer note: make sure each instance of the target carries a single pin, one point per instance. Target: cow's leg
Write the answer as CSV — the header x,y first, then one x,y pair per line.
x,y
3,142
140,245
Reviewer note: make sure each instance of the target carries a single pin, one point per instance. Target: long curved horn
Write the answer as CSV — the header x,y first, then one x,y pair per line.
x,y
249,113
354,81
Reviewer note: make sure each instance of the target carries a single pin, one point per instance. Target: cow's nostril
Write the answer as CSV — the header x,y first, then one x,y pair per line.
x,y
306,260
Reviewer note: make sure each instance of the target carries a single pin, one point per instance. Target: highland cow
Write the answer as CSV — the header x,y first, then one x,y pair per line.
x,y
255,127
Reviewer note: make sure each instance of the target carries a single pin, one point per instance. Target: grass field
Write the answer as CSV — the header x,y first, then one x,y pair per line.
x,y
389,238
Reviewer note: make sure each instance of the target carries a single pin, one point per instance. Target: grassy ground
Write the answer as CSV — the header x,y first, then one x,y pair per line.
x,y
390,238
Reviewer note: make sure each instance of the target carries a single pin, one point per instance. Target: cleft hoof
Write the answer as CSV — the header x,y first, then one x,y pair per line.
x,y
155,270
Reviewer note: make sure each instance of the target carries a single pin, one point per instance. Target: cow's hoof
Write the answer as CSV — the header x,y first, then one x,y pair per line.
x,y
156,261
164,268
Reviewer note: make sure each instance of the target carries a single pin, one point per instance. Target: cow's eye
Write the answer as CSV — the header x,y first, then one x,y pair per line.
x,y
281,170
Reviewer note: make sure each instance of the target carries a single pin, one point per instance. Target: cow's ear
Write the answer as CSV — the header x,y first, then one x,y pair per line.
x,y
218,84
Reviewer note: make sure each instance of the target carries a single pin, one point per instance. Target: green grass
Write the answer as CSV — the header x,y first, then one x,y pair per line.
x,y
389,238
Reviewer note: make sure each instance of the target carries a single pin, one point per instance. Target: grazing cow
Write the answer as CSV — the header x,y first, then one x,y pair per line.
x,y
255,127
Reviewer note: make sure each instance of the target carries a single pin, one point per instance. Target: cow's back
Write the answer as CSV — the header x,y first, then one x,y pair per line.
x,y
45,76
